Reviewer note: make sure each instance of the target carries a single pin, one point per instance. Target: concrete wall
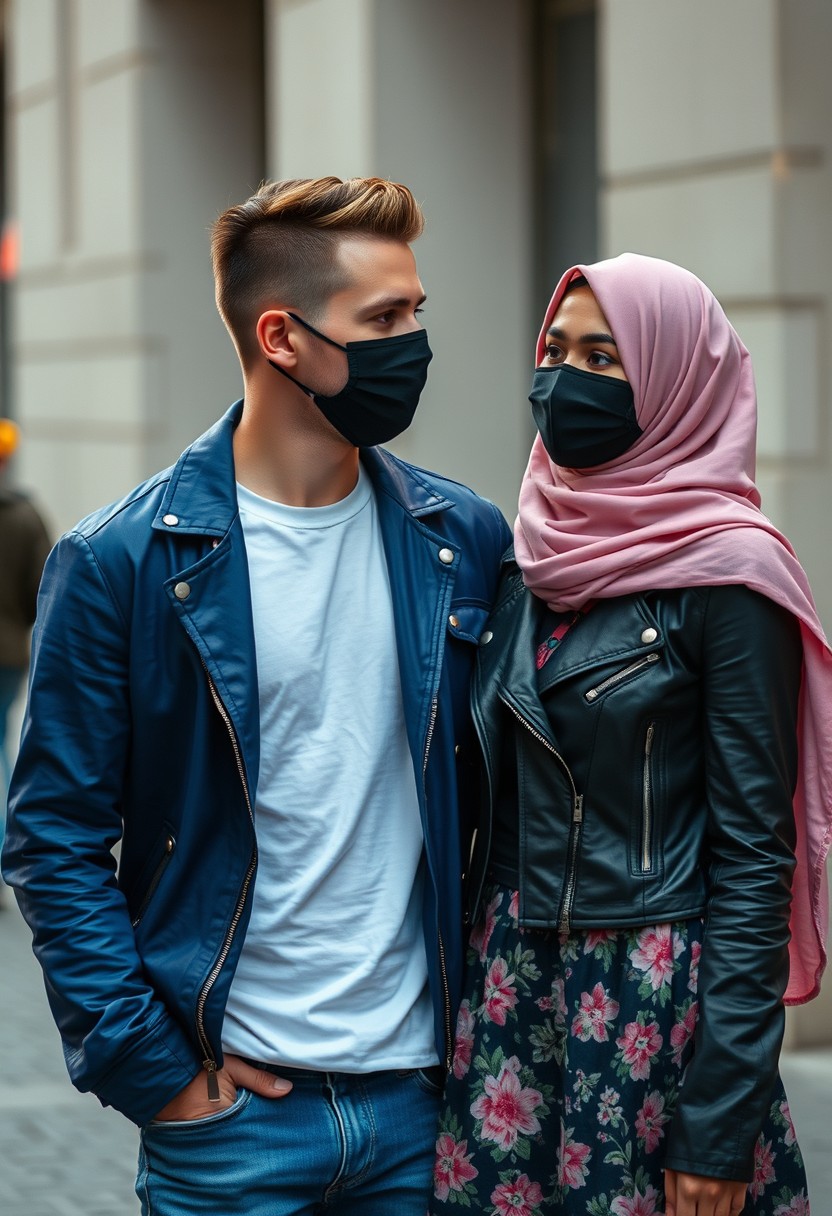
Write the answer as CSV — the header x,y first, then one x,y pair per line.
x,y
717,154
435,95
132,124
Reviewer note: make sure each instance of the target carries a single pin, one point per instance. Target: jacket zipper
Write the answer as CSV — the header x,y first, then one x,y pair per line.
x,y
443,970
156,878
575,826
209,1062
647,803
611,681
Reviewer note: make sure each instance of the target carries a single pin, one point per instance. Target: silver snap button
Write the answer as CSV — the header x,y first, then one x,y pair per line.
x,y
170,520
486,637
182,591
446,556
649,635
214,543
453,621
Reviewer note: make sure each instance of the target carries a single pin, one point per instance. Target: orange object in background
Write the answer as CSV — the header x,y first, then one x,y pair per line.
x,y
9,251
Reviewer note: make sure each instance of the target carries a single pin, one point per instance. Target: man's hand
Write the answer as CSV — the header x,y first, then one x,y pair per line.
x,y
192,1102
696,1195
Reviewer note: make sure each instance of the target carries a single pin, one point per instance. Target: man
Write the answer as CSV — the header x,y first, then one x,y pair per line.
x,y
253,673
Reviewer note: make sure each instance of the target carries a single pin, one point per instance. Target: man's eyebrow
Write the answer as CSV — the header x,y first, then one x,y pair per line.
x,y
386,302
585,339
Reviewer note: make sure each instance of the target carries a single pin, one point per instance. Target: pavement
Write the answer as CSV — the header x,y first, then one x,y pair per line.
x,y
62,1154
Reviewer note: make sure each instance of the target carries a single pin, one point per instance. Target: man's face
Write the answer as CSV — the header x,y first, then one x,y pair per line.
x,y
382,300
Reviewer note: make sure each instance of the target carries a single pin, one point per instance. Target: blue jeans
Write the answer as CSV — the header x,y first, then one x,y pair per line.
x,y
337,1143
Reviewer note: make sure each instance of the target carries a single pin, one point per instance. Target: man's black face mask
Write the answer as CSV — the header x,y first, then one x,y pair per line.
x,y
385,382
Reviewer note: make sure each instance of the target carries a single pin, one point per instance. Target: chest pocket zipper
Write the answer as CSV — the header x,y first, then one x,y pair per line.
x,y
156,878
647,803
612,681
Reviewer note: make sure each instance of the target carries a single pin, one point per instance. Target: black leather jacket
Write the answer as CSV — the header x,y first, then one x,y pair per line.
x,y
651,765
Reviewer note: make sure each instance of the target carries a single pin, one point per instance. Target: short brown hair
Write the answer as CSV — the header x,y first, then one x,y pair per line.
x,y
280,245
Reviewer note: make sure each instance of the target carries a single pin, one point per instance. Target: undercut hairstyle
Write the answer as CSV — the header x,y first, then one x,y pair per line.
x,y
279,248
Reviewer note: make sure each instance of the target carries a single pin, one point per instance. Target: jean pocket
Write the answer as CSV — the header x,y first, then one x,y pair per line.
x,y
430,1080
221,1116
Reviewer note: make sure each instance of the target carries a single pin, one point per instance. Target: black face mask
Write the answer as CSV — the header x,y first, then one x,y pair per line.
x,y
386,378
584,418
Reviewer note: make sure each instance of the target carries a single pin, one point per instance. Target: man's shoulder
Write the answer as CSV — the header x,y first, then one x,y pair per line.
x,y
434,492
125,513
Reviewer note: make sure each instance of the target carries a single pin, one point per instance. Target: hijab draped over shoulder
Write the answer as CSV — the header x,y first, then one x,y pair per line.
x,y
680,509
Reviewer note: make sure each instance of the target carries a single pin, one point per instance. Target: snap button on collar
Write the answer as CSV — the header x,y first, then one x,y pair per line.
x,y
182,591
170,520
486,637
649,635
446,556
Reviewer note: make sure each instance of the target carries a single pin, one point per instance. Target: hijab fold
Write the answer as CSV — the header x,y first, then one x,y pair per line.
x,y
680,509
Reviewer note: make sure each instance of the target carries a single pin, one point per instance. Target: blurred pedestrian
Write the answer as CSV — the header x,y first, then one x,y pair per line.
x,y
24,545
254,671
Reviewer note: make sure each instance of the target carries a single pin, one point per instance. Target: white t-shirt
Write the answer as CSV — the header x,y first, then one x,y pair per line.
x,y
332,974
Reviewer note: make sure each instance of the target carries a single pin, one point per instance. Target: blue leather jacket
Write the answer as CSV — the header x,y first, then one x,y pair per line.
x,y
143,729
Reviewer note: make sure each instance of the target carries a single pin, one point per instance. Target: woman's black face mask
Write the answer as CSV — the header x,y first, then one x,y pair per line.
x,y
584,418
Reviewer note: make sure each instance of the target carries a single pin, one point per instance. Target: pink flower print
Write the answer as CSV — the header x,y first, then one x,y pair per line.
x,y
464,1041
597,1010
799,1206
522,1197
637,1205
514,906
572,1160
608,1109
789,1137
498,995
650,1120
655,952
693,975
638,1046
680,1033
763,1168
452,1168
598,937
506,1108
559,998
482,930
544,1003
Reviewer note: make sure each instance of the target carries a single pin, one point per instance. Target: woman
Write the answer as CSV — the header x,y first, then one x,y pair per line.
x,y
652,699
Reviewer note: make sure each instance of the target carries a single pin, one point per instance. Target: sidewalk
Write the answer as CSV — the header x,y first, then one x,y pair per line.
x,y
61,1154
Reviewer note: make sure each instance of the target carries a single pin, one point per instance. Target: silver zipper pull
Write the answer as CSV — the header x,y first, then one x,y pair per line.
x,y
578,810
213,1084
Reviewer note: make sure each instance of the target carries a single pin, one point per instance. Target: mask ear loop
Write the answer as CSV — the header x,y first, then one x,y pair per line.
x,y
317,334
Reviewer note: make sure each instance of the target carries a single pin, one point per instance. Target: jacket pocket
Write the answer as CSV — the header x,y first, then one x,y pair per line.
x,y
631,672
466,621
153,873
646,852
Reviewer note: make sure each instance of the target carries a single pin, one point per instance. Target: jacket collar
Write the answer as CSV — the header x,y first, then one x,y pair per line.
x,y
201,496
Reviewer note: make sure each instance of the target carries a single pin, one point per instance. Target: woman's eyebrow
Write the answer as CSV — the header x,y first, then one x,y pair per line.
x,y
585,339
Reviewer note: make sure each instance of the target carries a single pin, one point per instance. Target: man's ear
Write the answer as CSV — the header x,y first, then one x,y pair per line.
x,y
277,337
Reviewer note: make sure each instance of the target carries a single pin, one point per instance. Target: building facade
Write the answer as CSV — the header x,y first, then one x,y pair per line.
x,y
536,133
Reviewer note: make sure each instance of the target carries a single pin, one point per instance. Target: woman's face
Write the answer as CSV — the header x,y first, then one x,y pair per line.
x,y
579,336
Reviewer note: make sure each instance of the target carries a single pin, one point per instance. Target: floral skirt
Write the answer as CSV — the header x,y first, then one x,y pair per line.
x,y
565,1079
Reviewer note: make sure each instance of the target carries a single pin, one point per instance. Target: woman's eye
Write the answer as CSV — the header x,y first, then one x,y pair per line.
x,y
598,358
552,354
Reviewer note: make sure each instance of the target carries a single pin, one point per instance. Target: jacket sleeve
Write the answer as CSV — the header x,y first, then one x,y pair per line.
x,y
64,821
752,658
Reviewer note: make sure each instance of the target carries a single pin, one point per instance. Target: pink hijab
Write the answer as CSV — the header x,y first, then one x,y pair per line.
x,y
680,509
